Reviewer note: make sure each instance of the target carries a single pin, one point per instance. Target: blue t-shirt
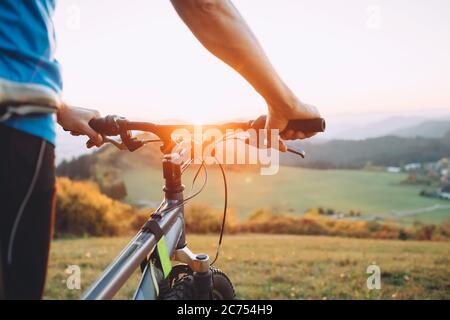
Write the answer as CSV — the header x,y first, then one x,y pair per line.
x,y
27,48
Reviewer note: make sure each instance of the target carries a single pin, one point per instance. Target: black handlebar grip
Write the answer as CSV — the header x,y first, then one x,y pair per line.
x,y
106,125
307,125
303,125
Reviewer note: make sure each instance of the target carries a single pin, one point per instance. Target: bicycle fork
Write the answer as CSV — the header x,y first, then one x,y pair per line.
x,y
199,263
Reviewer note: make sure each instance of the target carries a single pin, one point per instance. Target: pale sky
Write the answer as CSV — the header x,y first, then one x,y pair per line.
x,y
136,58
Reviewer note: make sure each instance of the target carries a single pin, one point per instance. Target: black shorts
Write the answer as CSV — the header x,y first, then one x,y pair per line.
x,y
27,188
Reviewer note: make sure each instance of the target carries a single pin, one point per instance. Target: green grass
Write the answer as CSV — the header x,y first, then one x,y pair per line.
x,y
284,267
296,190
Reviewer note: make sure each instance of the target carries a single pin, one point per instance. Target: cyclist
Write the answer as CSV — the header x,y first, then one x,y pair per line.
x,y
30,91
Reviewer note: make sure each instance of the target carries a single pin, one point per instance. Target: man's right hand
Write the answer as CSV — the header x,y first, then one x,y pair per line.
x,y
279,116
76,120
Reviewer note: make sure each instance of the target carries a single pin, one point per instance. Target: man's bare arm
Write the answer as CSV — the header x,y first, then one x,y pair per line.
x,y
218,25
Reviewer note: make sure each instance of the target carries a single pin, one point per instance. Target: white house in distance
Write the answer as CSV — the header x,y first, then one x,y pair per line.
x,y
394,169
412,166
445,193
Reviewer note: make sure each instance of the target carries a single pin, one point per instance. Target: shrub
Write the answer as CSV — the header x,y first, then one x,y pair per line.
x,y
313,223
82,210
260,215
425,232
200,218
116,190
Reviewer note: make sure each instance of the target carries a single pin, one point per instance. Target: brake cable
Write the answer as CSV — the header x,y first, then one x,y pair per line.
x,y
186,165
225,205
225,202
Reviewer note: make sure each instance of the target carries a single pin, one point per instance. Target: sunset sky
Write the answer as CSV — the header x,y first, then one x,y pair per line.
x,y
136,58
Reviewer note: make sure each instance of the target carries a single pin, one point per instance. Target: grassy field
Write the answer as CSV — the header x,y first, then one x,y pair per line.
x,y
284,267
295,190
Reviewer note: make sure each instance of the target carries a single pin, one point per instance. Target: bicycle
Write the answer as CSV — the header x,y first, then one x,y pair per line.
x,y
161,239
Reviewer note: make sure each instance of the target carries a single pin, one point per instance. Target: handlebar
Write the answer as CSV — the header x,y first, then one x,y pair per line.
x,y
110,126
114,125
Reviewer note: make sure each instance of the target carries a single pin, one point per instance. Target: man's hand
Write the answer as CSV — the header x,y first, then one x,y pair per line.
x,y
279,117
76,120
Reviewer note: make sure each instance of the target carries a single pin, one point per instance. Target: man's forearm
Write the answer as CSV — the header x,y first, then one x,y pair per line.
x,y
218,25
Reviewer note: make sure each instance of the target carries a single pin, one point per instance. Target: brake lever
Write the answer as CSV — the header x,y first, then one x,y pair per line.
x,y
300,152
119,145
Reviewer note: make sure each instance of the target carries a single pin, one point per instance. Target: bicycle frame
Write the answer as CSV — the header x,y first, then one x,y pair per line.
x,y
140,248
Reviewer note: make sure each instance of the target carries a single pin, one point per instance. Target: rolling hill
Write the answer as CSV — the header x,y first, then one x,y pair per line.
x,y
381,151
427,129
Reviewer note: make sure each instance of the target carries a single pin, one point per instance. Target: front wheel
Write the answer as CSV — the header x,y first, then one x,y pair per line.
x,y
181,285
222,287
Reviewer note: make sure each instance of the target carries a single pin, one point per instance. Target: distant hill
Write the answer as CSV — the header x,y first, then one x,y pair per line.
x,y
398,126
427,129
69,147
104,166
381,151
106,158
378,128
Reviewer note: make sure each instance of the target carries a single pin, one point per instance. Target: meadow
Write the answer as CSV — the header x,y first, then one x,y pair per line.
x,y
295,190
282,266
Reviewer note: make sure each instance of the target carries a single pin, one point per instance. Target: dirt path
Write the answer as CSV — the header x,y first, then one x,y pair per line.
x,y
413,212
